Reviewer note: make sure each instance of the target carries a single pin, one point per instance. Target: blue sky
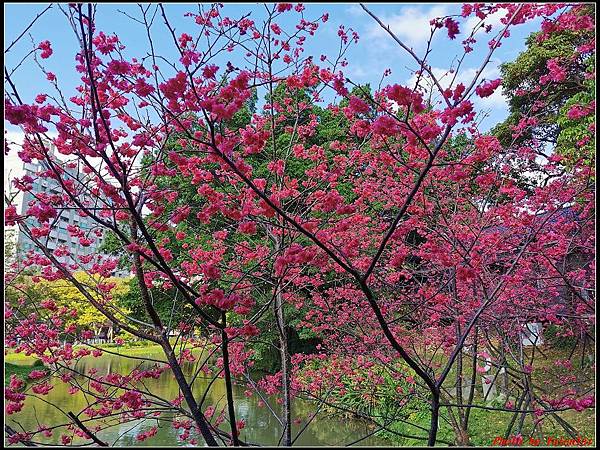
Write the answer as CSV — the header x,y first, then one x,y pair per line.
x,y
374,53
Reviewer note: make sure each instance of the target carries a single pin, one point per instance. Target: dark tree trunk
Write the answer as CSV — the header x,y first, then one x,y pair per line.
x,y
229,385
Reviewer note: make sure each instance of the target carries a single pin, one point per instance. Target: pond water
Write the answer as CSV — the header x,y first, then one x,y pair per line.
x,y
261,426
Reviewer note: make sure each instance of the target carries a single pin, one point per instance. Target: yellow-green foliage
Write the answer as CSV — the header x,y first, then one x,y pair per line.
x,y
65,293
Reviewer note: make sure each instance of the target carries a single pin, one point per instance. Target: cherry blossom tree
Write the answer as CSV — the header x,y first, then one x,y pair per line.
x,y
411,243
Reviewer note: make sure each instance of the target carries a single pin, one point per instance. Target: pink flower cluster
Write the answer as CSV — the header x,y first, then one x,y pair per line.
x,y
488,88
46,49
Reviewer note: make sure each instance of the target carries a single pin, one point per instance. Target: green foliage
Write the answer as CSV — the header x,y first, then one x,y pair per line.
x,y
243,117
524,74
556,338
167,303
266,355
22,287
395,402
112,245
20,370
66,294
10,246
573,131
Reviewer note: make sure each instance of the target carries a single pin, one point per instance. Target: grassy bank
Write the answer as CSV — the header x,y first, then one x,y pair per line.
x,y
21,370
21,364
125,349
487,418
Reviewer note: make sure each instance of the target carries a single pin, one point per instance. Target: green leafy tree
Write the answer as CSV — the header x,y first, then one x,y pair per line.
x,y
549,103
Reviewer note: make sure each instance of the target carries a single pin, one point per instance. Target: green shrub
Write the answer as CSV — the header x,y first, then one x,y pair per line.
x,y
556,337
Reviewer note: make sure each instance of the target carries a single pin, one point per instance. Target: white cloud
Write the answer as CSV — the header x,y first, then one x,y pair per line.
x,y
355,10
361,72
495,101
465,76
411,25
443,76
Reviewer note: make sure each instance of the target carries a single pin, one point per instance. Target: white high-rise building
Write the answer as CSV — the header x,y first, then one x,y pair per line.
x,y
59,234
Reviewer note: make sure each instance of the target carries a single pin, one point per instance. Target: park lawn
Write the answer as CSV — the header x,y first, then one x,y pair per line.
x,y
21,365
20,370
21,359
24,360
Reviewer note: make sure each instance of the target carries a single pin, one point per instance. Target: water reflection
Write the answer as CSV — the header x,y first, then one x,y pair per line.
x,y
261,427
